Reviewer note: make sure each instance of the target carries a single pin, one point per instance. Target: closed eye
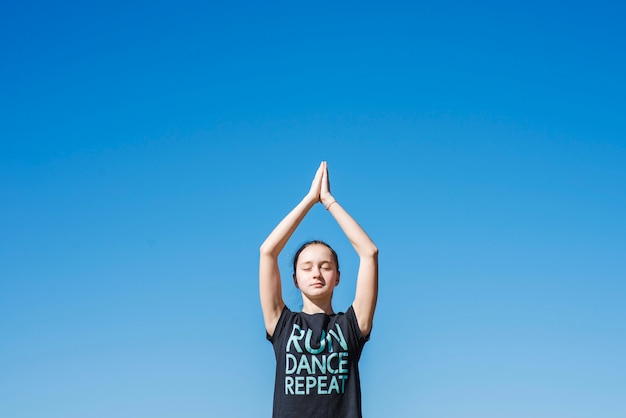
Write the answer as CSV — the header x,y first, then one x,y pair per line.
x,y
306,266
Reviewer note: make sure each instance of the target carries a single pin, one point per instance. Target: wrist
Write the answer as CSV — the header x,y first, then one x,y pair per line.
x,y
327,200
330,204
311,200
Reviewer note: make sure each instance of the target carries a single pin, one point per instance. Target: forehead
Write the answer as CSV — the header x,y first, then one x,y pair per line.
x,y
315,252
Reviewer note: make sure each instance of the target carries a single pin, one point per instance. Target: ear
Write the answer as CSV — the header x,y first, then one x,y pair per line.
x,y
338,278
295,281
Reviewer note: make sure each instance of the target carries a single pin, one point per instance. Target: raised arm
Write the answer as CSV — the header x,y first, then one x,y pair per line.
x,y
270,289
367,279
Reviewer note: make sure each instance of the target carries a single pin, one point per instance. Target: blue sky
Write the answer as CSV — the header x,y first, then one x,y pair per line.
x,y
148,148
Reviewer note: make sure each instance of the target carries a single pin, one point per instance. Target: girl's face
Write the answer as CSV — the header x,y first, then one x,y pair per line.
x,y
316,272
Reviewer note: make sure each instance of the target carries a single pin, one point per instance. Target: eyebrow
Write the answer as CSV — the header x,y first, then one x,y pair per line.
x,y
308,262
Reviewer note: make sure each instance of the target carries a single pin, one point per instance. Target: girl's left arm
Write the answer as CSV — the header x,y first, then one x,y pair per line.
x,y
367,279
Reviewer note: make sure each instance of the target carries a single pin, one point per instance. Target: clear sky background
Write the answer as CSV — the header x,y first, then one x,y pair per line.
x,y
148,148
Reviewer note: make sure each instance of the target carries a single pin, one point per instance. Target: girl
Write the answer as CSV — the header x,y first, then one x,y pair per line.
x,y
317,350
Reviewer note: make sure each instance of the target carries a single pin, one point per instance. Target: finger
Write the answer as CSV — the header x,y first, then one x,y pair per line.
x,y
319,173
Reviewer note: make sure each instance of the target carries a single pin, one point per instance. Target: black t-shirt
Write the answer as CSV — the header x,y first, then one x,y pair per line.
x,y
317,365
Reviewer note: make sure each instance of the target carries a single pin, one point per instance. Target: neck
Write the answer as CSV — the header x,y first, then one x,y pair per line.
x,y
316,306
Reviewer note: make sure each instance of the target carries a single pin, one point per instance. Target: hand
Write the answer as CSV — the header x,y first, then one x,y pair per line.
x,y
325,196
316,185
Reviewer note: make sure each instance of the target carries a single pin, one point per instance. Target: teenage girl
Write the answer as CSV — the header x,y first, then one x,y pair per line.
x,y
317,350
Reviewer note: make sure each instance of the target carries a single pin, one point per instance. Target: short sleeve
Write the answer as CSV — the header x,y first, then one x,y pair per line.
x,y
354,324
280,325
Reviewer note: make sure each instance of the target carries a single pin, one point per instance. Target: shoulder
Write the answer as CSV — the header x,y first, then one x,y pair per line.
x,y
286,316
351,317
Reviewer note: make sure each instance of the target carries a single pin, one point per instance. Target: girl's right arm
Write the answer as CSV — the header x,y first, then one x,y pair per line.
x,y
270,289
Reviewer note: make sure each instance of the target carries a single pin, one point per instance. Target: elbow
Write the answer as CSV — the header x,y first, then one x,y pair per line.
x,y
266,250
371,251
